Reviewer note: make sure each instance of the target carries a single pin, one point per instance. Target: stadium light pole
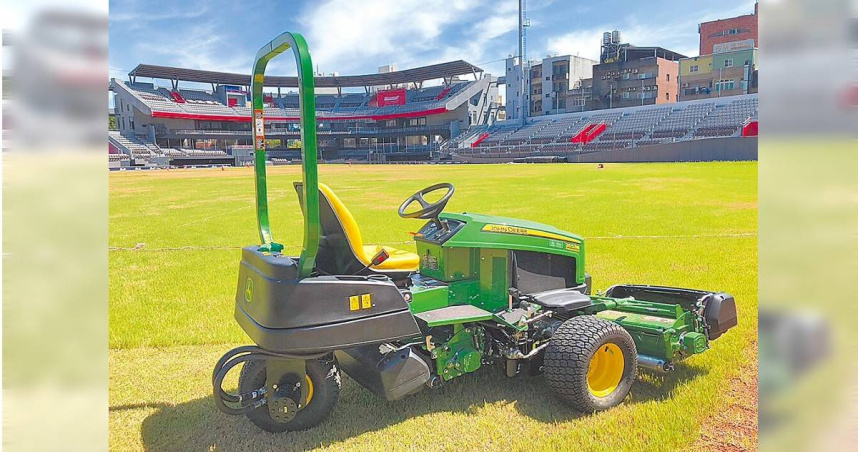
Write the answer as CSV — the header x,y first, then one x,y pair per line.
x,y
522,84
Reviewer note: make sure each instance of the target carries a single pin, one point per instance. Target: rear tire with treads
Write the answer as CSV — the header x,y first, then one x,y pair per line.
x,y
591,363
324,377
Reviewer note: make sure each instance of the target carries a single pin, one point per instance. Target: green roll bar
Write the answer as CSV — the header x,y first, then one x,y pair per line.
x,y
309,156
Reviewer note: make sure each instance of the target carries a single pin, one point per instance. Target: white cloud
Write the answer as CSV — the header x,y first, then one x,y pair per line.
x,y
584,43
344,32
349,36
201,47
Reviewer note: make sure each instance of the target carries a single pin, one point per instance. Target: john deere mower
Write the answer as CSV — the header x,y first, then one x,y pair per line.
x,y
480,290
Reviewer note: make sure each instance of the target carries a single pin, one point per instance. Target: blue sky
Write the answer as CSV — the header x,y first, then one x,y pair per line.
x,y
358,36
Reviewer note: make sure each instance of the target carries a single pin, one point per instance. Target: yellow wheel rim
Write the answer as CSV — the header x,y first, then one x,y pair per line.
x,y
606,370
309,390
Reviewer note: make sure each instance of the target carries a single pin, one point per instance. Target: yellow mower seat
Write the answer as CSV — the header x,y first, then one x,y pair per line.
x,y
399,260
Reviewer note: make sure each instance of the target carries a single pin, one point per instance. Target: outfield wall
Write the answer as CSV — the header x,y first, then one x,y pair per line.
x,y
711,149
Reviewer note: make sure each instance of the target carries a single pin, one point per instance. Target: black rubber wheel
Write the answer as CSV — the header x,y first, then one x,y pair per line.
x,y
591,363
325,378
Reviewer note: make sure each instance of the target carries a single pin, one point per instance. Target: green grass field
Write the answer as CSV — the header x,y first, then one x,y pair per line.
x,y
175,238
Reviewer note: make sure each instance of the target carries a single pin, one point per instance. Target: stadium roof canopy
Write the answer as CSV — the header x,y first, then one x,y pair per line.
x,y
419,74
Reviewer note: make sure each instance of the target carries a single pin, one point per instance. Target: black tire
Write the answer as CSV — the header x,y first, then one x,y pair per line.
x,y
568,356
326,390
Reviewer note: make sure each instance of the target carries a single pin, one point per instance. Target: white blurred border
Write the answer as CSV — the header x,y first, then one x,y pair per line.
x,y
54,178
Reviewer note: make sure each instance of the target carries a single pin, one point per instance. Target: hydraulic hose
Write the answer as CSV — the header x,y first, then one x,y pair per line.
x,y
254,399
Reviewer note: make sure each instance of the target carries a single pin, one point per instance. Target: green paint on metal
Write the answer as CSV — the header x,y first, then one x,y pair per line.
x,y
662,330
486,231
445,263
494,287
464,292
425,298
461,354
309,153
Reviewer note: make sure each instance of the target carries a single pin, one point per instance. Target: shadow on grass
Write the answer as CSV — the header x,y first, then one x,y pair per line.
x,y
198,425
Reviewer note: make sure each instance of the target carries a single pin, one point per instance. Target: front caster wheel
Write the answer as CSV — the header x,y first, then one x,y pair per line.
x,y
591,363
323,390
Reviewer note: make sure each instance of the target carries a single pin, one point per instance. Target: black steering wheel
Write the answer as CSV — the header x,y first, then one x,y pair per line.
x,y
428,210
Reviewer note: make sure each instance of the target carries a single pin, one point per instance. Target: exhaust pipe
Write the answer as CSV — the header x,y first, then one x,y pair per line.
x,y
656,364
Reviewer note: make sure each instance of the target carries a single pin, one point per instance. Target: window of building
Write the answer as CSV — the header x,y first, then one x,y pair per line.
x,y
694,68
625,94
547,78
626,76
412,122
728,62
348,142
725,85
666,96
668,77
390,123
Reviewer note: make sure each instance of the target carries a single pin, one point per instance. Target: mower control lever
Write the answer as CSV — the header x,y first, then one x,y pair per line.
x,y
428,211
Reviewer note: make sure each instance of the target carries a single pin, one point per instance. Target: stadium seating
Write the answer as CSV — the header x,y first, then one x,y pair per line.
x,y
636,124
562,128
681,121
467,137
197,102
727,119
623,128
132,146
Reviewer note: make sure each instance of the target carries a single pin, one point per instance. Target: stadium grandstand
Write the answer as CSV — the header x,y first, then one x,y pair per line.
x,y
662,132
398,116
401,115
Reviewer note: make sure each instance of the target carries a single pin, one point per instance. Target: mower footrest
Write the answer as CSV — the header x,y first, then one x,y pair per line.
x,y
453,315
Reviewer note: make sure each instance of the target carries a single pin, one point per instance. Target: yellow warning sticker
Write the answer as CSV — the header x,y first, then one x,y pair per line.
x,y
354,303
505,229
366,301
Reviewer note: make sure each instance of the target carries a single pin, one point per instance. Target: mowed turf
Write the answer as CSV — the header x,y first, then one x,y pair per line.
x,y
176,238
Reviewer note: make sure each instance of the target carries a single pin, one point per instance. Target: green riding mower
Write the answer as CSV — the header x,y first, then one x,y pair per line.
x,y
481,290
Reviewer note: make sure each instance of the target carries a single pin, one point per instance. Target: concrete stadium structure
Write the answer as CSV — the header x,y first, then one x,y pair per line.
x,y
641,133
396,118
377,117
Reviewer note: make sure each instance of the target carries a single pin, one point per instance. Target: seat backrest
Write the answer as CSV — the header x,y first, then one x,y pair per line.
x,y
341,245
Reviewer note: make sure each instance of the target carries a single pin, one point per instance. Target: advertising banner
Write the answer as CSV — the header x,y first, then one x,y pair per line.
x,y
391,97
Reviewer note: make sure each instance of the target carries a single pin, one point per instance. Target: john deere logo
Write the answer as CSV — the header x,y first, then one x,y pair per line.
x,y
248,290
